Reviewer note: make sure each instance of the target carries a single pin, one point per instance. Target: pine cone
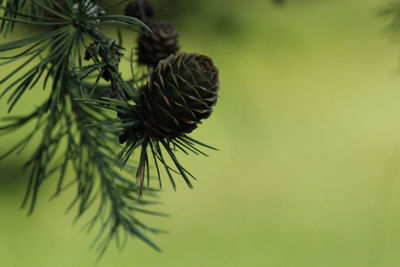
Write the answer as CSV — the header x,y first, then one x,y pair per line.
x,y
140,9
157,46
180,92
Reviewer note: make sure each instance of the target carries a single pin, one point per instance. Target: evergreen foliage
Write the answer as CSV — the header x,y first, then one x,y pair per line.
x,y
91,107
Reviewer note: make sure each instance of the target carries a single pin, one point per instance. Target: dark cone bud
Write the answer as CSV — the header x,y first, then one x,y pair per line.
x,y
157,46
140,9
111,56
180,92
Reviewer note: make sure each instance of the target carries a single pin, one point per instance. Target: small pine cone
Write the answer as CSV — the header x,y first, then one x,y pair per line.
x,y
110,55
157,46
140,9
180,92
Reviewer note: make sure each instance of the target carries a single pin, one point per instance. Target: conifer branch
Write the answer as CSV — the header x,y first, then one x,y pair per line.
x,y
91,107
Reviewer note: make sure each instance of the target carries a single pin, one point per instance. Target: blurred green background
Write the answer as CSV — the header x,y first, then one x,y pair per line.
x,y
308,127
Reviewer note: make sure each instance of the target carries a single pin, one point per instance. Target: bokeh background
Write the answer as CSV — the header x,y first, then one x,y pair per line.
x,y
308,127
